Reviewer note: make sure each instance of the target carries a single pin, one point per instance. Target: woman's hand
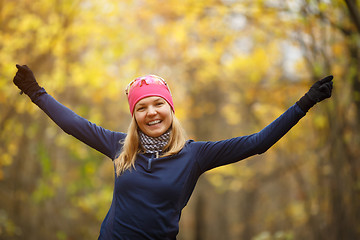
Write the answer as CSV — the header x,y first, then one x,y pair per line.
x,y
319,91
25,80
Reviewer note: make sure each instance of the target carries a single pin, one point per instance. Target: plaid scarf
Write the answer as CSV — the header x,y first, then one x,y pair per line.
x,y
154,144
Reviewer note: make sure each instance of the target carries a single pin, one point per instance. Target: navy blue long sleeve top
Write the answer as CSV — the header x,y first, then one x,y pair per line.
x,y
148,200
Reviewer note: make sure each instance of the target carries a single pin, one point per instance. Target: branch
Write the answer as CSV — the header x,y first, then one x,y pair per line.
x,y
354,12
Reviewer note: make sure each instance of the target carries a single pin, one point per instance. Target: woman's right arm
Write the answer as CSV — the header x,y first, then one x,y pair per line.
x,y
103,140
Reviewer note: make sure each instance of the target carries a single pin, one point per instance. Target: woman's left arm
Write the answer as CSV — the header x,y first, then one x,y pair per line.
x,y
214,154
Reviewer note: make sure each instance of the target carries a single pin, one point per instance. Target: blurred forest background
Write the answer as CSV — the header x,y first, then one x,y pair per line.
x,y
233,67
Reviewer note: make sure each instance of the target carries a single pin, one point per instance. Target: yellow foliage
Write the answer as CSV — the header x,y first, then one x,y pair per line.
x,y
232,116
224,61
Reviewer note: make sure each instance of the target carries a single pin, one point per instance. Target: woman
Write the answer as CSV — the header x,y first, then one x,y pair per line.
x,y
156,167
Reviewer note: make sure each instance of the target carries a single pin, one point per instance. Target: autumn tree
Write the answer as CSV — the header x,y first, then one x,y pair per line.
x,y
232,66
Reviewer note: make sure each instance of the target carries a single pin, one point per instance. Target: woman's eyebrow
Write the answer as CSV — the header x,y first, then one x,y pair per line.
x,y
159,99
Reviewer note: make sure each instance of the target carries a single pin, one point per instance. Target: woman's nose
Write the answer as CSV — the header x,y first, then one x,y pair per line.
x,y
151,111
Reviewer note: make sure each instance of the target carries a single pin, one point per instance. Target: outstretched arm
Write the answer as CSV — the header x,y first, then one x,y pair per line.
x,y
214,154
319,91
103,140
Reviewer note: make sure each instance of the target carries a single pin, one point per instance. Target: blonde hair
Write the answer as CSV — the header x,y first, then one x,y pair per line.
x,y
132,146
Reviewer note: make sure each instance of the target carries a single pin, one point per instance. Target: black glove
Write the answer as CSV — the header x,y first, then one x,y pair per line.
x,y
319,91
25,80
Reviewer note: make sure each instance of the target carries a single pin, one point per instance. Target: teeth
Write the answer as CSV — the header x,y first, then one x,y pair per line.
x,y
154,122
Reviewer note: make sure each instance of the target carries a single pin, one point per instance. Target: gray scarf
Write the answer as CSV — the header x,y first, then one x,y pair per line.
x,y
154,144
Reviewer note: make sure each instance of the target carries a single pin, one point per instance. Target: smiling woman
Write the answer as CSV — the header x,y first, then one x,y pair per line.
x,y
156,167
153,116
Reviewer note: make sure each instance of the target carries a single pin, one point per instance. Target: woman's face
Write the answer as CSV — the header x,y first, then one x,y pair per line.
x,y
153,116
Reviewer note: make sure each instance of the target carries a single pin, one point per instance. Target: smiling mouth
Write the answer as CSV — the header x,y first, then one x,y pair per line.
x,y
153,122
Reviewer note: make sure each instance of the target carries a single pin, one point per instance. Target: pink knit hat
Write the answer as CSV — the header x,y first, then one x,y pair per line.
x,y
148,86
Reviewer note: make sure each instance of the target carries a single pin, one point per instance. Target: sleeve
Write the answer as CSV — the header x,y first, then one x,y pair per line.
x,y
103,140
214,154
